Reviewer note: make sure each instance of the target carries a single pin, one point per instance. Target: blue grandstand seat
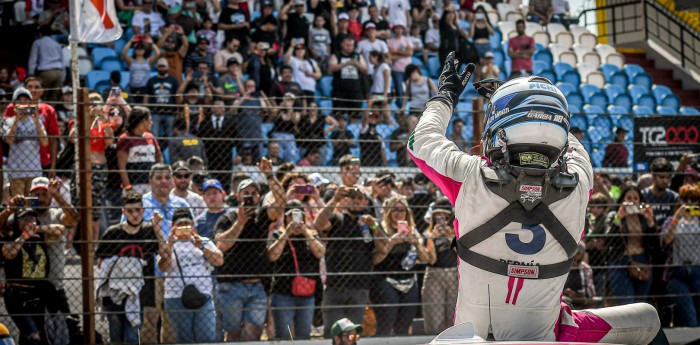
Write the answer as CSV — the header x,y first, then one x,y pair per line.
x,y
266,128
499,58
689,111
126,78
544,55
326,85
608,70
620,79
616,110
102,85
549,74
562,67
111,65
591,109
354,128
640,96
434,66
626,122
603,124
566,88
593,95
642,79
417,61
496,39
94,77
385,130
100,54
325,106
664,96
571,77
632,69
575,99
597,156
539,66
618,96
575,109
579,120
612,91
664,110
642,110
119,45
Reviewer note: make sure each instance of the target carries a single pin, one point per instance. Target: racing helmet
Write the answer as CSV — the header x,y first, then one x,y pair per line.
x,y
526,123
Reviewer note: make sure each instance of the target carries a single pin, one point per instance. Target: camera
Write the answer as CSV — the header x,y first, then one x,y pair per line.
x,y
297,216
634,209
31,201
248,201
303,190
693,211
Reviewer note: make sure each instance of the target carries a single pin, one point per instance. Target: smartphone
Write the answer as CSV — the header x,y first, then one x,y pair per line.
x,y
28,111
248,201
303,190
31,201
183,231
115,92
299,40
634,209
297,216
441,220
693,211
402,227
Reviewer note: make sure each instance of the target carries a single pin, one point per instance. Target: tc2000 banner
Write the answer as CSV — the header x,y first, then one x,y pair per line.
x,y
664,136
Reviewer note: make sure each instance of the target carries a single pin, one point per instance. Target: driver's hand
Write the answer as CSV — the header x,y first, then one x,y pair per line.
x,y
451,82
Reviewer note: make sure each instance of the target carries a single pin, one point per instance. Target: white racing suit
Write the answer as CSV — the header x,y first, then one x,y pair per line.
x,y
521,309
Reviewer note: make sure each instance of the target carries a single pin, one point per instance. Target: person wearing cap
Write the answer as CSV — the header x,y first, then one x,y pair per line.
x,y
201,53
174,46
190,260
296,24
297,249
489,70
140,64
235,22
355,238
23,162
439,292
207,30
183,180
222,58
213,194
305,71
397,12
371,43
339,29
382,189
47,114
241,297
63,219
232,81
133,237
160,97
216,131
616,153
345,332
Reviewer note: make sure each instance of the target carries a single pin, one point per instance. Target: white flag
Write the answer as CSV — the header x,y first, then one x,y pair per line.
x,y
95,21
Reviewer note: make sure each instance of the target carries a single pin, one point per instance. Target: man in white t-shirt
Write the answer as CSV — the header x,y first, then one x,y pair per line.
x,y
147,19
371,43
397,12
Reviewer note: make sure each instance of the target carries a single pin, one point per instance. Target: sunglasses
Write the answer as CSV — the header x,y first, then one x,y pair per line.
x,y
182,176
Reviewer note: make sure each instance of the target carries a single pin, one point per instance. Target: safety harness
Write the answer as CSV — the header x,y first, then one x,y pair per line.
x,y
529,192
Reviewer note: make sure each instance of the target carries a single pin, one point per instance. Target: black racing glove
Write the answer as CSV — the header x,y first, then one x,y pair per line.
x,y
451,82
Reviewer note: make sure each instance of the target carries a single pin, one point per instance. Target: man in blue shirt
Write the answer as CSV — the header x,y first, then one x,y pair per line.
x,y
159,200
213,194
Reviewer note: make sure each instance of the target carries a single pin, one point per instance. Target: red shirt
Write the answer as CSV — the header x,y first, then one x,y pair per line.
x,y
519,43
50,122
355,28
97,138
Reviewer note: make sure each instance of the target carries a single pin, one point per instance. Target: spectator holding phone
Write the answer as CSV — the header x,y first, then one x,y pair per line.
x,y
439,293
241,298
404,247
520,49
299,187
682,234
634,226
24,134
295,251
188,263
295,23
305,71
140,64
354,238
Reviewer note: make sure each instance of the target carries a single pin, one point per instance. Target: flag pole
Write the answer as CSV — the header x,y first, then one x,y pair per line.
x,y
73,41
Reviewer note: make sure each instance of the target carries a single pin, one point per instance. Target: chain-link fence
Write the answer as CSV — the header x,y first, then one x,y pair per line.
x,y
195,239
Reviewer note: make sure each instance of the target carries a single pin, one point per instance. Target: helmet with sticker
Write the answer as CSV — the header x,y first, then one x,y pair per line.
x,y
526,123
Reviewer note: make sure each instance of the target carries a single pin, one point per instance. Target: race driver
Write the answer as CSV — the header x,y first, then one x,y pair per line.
x,y
520,211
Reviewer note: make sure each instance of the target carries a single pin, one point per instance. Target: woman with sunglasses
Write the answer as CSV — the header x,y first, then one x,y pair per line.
x,y
190,259
305,71
398,284
439,293
295,251
682,234
633,241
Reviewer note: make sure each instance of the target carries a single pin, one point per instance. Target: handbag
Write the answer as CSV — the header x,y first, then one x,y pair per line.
x,y
639,271
301,286
191,297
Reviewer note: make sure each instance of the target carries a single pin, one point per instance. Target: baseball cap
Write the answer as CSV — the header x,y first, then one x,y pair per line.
x,y
180,165
202,38
264,45
25,212
298,2
162,62
39,183
19,92
370,25
344,325
232,61
245,184
267,3
343,16
212,183
318,179
67,89
488,55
